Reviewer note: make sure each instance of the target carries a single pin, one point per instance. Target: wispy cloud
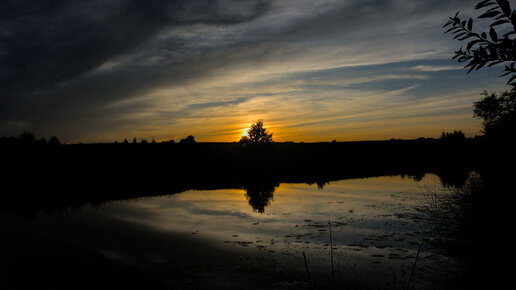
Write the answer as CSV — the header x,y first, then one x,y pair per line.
x,y
98,71
429,68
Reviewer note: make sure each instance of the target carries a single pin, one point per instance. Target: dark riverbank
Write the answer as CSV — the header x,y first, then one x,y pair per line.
x,y
52,177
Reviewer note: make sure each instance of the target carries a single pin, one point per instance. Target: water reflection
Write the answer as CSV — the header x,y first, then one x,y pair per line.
x,y
377,230
260,195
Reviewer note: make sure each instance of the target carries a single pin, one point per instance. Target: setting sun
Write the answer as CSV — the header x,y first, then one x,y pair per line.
x,y
243,132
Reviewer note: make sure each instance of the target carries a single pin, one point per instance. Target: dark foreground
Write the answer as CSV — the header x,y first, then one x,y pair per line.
x,y
57,178
81,253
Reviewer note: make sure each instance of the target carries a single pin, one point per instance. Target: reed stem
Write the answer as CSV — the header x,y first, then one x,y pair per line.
x,y
331,254
307,271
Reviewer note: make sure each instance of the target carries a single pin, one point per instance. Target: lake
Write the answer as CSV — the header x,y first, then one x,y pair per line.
x,y
359,233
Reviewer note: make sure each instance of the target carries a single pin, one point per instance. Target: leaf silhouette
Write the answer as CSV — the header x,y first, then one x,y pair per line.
x,y
493,34
489,14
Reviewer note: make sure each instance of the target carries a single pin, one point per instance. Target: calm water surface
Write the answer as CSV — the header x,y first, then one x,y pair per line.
x,y
376,227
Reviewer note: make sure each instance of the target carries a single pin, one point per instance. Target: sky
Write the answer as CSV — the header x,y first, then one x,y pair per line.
x,y
100,71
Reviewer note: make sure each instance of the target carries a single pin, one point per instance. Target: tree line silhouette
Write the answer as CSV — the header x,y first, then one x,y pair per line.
x,y
28,138
44,177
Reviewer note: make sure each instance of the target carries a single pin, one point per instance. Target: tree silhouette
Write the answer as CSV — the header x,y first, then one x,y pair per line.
x,y
487,48
188,140
455,135
257,134
54,141
498,113
26,137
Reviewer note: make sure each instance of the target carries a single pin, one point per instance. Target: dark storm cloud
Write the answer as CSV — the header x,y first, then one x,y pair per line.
x,y
44,43
48,43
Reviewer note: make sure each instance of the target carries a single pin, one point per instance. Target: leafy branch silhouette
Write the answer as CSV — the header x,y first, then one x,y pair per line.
x,y
487,48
